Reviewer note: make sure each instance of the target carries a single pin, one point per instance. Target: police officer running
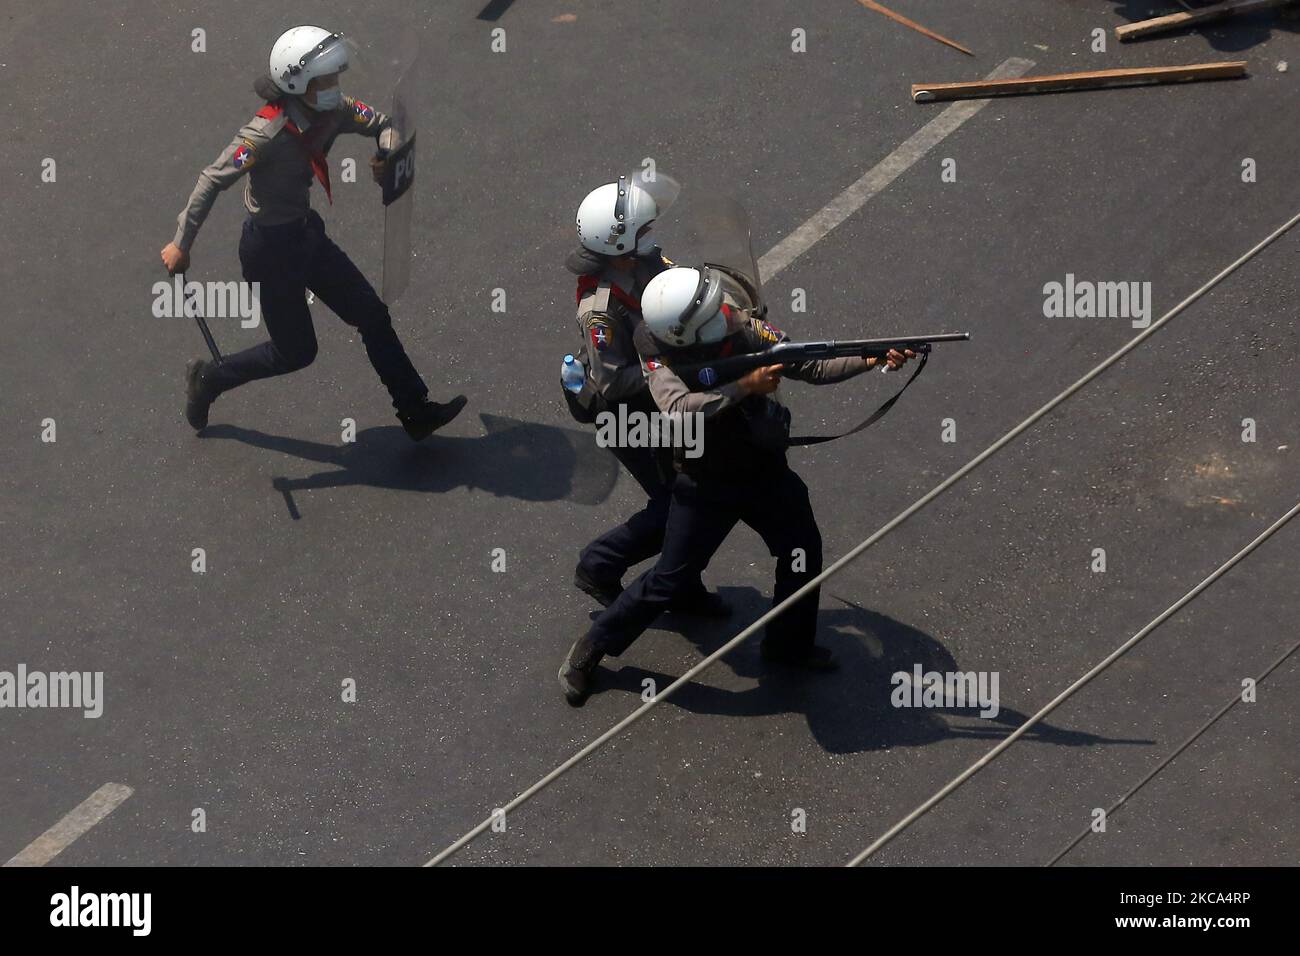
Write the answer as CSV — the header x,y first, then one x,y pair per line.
x,y
284,247
693,316
613,264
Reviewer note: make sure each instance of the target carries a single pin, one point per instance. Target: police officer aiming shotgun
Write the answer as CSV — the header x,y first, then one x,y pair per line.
x,y
284,247
706,349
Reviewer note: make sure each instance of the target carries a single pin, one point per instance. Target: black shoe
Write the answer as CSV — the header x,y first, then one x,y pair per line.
x,y
199,395
704,604
817,658
578,671
606,593
422,420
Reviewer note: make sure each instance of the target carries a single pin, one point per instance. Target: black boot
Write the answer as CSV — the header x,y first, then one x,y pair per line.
x,y
578,671
199,394
424,418
816,658
604,592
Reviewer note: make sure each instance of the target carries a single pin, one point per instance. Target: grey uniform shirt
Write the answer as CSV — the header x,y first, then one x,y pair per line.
x,y
608,325
278,164
731,445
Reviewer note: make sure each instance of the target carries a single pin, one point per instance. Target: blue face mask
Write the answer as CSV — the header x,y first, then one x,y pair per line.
x,y
327,100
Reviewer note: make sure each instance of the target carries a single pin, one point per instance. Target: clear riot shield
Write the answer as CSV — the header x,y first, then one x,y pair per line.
x,y
650,195
397,145
714,230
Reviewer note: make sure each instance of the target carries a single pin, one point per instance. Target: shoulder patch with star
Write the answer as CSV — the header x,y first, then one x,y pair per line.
x,y
601,334
245,155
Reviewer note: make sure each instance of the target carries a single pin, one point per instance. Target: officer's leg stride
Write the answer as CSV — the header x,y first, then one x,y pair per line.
x,y
790,532
697,526
605,560
341,286
285,261
277,258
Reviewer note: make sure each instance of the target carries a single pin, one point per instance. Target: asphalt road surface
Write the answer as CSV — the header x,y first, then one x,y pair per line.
x,y
372,561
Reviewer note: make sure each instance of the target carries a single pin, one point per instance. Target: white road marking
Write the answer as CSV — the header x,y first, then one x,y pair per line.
x,y
881,175
60,836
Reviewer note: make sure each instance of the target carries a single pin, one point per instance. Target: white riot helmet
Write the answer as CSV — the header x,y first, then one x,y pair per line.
x,y
304,53
683,307
613,220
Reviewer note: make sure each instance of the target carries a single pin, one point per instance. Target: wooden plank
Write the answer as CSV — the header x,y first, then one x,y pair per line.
x,y
1091,80
1177,21
899,18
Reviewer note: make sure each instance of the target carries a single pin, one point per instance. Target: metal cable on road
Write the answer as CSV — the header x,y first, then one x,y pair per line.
x,y
1236,699
1062,697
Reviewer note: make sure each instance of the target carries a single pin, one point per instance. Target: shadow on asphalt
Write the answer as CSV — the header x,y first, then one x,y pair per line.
x,y
1229,36
515,459
848,711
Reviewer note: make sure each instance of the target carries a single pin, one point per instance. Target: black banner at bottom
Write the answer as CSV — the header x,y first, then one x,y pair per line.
x,y
335,905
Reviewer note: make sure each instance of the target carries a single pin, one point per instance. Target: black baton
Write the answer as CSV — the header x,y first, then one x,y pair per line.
x,y
203,325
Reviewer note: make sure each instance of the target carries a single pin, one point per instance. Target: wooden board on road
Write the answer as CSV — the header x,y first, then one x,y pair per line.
x,y
1177,21
1090,80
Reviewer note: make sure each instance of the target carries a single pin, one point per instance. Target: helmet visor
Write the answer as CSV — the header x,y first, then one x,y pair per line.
x,y
332,55
708,312
726,321
645,194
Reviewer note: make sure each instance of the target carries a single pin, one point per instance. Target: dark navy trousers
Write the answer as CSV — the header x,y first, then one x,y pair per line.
x,y
772,500
641,536
286,261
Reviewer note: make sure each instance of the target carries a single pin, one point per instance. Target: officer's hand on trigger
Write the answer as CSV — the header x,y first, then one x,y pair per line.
x,y
175,259
895,359
762,381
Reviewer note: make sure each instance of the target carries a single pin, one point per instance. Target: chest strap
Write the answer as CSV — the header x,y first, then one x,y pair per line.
x,y
588,284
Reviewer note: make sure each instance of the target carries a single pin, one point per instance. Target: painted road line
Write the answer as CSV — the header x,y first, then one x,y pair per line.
x,y
881,175
60,836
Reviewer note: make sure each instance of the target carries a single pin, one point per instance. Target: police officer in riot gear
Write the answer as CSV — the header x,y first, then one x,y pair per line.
x,y
613,264
692,316
284,247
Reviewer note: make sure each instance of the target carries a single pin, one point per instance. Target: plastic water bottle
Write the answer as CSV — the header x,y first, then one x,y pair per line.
x,y
572,374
